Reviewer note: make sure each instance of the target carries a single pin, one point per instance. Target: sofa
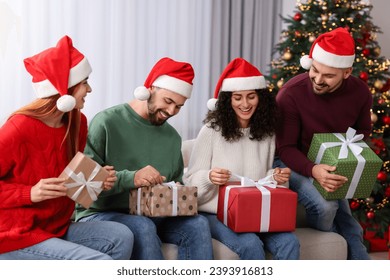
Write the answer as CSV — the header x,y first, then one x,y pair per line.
x,y
314,244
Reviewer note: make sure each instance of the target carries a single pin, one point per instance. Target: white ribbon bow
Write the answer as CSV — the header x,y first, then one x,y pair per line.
x,y
347,142
93,187
265,198
172,185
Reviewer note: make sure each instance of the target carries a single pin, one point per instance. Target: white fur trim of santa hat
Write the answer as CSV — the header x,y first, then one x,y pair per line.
x,y
173,84
243,83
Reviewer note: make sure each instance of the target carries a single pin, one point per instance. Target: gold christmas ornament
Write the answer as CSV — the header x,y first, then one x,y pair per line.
x,y
374,117
378,84
377,51
287,55
312,38
280,83
324,17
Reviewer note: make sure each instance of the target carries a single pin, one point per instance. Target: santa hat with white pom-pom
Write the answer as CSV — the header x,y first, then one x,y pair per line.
x,y
168,74
56,69
334,49
238,75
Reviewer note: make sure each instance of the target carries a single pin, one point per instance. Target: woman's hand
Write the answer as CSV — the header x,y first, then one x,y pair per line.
x,y
111,179
48,188
282,175
219,176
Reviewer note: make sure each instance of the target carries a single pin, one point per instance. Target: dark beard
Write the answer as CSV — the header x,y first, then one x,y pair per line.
x,y
154,120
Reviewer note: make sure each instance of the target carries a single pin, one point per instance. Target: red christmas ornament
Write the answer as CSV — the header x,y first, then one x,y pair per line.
x,y
387,192
354,205
366,52
370,215
386,120
297,17
363,76
378,142
298,34
382,176
386,86
274,76
366,36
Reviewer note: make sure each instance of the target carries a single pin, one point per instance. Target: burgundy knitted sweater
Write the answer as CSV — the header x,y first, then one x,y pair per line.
x,y
304,113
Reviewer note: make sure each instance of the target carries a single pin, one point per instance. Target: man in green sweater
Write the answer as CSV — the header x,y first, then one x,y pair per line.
x,y
145,150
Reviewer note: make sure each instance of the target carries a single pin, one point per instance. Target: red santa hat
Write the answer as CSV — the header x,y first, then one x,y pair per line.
x,y
335,49
168,74
238,75
56,69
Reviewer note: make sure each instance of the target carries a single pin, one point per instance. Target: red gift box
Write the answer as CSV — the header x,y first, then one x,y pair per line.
x,y
257,209
375,243
388,242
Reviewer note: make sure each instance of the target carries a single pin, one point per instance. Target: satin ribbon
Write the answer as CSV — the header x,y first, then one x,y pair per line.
x,y
265,198
356,148
172,185
93,187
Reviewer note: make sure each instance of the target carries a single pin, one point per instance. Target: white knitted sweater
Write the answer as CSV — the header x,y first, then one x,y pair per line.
x,y
249,158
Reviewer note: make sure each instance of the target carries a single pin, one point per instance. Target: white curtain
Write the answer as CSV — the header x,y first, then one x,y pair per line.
x,y
123,39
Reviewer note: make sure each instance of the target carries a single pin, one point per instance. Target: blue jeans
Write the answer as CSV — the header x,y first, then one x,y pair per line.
x,y
92,241
328,215
191,234
250,246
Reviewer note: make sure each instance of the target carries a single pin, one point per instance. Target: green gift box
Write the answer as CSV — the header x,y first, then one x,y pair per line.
x,y
353,159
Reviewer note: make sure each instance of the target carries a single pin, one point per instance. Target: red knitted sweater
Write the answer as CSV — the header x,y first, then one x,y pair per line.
x,y
30,151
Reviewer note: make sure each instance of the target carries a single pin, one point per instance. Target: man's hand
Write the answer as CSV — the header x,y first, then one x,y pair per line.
x,y
110,181
219,176
147,177
330,182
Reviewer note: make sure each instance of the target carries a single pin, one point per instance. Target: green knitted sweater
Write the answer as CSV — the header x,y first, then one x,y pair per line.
x,y
118,136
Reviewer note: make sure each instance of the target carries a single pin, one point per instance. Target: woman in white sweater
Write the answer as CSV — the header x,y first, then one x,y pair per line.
x,y
238,138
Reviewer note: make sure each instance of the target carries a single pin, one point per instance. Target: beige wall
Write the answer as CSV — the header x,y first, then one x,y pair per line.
x,y
381,18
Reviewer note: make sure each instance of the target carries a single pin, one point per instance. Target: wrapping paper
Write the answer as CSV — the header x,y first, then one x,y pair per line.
x,y
352,158
167,199
260,206
84,179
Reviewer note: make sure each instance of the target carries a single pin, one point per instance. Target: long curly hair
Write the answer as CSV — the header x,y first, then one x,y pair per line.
x,y
262,123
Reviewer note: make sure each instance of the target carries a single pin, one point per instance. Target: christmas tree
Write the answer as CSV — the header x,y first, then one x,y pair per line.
x,y
312,18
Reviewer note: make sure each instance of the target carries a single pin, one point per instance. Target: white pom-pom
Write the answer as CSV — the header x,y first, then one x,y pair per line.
x,y
306,62
141,93
66,103
211,104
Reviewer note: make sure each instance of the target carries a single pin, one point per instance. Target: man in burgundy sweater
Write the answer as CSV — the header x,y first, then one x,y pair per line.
x,y
327,99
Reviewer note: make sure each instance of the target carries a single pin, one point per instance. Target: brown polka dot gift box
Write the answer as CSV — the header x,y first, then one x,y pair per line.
x,y
84,179
353,159
167,199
